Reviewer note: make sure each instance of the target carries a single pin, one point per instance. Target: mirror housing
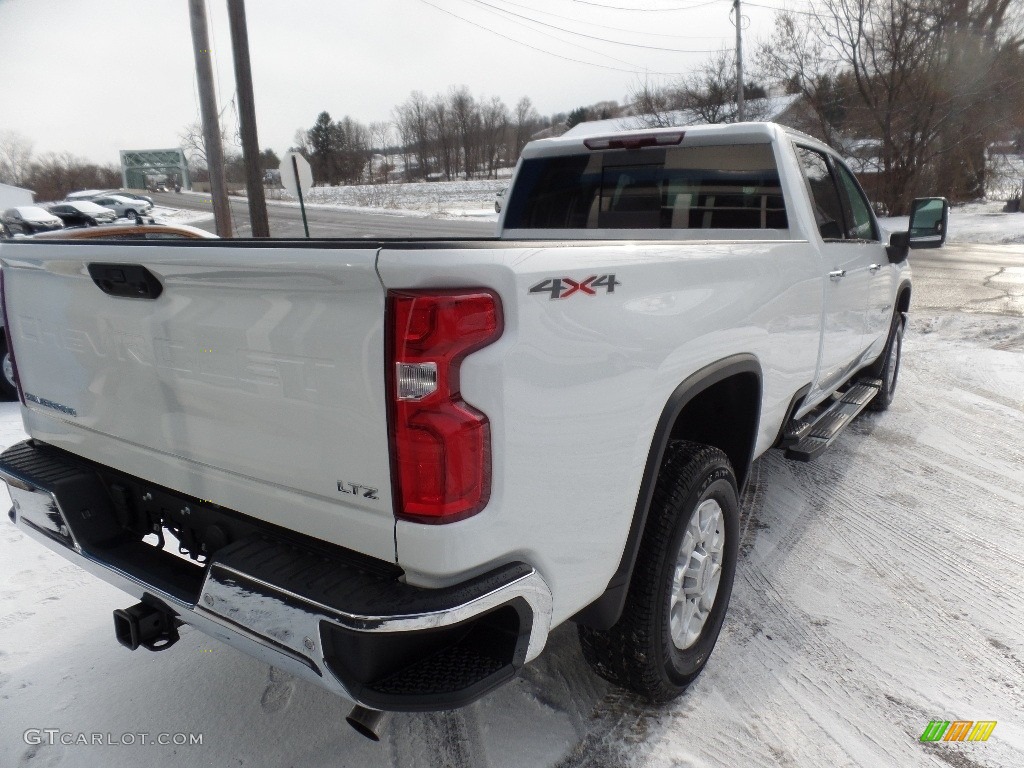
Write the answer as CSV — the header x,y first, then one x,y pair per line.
x,y
899,247
929,221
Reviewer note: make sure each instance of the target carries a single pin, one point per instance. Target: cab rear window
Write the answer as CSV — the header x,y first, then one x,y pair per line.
x,y
733,187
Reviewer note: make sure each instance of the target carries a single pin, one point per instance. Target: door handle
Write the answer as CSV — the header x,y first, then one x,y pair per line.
x,y
874,268
836,274
130,281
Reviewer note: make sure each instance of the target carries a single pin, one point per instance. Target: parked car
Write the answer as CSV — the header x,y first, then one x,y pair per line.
x,y
147,231
29,219
124,206
128,194
86,194
82,213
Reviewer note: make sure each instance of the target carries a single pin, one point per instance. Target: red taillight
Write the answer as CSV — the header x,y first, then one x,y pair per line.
x,y
635,141
7,336
440,445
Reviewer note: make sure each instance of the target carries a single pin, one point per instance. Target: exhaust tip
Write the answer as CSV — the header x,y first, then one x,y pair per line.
x,y
368,722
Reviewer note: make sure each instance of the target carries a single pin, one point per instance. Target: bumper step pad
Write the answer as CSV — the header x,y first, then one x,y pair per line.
x,y
806,439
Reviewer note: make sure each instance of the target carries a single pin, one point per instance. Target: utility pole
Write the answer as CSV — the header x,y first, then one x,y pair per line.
x,y
741,112
247,119
208,109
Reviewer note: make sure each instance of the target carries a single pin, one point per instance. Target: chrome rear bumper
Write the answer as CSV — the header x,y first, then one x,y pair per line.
x,y
371,639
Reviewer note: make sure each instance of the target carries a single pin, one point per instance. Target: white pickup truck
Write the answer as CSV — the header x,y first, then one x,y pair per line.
x,y
392,467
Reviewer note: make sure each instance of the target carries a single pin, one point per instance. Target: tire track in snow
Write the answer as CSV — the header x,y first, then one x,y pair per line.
x,y
435,740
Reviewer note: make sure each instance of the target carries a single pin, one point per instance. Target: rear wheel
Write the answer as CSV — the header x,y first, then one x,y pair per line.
x,y
130,213
8,389
682,581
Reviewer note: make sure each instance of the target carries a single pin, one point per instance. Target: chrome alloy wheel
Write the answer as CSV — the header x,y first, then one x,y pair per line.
x,y
697,574
8,369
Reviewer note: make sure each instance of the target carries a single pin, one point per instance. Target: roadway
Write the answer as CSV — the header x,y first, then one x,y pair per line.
x,y
971,277
286,221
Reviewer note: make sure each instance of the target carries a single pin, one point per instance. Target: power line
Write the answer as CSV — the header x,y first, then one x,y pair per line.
x,y
617,29
500,14
592,37
647,10
786,10
541,50
560,39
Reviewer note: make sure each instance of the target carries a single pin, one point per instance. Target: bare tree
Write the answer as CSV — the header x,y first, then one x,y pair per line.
x,y
889,52
15,158
301,142
412,119
706,95
656,106
466,116
709,93
526,121
193,144
380,136
982,42
493,122
443,132
924,82
797,56
54,175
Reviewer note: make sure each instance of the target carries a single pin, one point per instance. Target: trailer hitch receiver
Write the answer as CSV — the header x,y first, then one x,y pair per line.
x,y
146,627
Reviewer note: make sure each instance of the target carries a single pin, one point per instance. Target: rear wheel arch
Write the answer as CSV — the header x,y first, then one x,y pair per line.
x,y
720,406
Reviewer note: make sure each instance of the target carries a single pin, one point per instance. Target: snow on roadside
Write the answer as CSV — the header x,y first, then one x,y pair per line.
x,y
982,222
165,215
438,199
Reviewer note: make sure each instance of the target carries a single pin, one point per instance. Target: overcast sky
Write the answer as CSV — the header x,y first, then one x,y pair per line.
x,y
92,77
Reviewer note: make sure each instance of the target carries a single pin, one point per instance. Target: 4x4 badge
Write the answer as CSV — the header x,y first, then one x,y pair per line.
x,y
564,287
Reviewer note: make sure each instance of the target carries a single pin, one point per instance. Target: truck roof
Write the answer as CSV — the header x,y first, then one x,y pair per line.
x,y
722,133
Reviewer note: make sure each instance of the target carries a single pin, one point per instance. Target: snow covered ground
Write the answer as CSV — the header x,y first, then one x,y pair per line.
x,y
439,199
165,215
879,588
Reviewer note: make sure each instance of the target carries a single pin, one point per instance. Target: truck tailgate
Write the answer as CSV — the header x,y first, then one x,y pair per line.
x,y
254,380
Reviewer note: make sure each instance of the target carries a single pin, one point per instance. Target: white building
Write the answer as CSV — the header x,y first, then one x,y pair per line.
x,y
13,196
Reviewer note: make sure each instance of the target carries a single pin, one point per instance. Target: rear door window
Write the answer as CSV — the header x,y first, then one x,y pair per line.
x,y
821,185
861,224
733,187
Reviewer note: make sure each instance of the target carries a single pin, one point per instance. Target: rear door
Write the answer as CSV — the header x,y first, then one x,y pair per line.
x,y
862,230
847,263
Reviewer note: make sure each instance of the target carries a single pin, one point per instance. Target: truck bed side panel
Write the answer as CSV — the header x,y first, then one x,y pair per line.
x,y
575,386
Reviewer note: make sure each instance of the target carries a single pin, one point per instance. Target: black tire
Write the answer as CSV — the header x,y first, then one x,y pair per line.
x,y
8,390
887,368
638,652
130,213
